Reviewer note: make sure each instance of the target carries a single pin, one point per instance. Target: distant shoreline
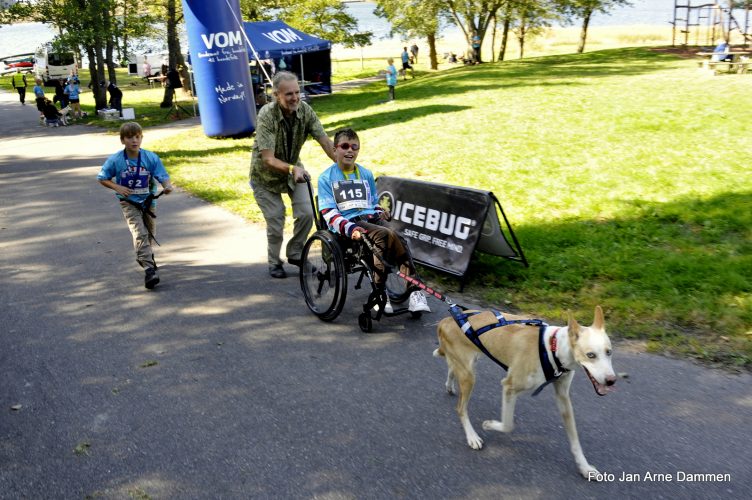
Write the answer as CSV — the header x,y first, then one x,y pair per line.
x,y
555,40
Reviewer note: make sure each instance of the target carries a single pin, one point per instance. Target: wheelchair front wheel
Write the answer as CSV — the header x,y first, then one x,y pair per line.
x,y
323,278
365,322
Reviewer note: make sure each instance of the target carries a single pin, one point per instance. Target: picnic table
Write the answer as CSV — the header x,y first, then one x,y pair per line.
x,y
739,62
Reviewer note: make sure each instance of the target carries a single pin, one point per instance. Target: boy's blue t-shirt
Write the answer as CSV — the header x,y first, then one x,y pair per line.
x,y
38,91
391,75
332,175
137,174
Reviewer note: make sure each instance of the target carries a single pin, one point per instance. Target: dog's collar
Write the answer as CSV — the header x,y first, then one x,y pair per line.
x,y
549,371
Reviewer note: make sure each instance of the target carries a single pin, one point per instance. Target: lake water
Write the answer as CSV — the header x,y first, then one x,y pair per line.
x,y
21,38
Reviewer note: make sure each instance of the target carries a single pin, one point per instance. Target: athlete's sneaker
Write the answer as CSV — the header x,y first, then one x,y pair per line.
x,y
418,302
388,307
151,278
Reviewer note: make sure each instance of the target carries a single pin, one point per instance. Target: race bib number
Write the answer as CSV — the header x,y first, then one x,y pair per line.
x,y
135,179
351,194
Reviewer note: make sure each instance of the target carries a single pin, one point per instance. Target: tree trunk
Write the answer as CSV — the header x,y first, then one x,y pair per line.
x,y
109,43
493,40
504,38
176,59
96,71
432,51
124,53
583,32
521,38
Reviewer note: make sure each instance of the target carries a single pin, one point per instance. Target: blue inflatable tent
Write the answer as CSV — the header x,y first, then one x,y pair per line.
x,y
292,50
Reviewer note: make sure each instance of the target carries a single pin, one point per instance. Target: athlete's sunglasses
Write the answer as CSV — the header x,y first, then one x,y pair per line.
x,y
345,146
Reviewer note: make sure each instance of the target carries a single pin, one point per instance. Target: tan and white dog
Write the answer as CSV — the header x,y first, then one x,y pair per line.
x,y
517,346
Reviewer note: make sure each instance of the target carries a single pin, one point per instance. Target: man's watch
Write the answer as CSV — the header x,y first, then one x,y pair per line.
x,y
291,169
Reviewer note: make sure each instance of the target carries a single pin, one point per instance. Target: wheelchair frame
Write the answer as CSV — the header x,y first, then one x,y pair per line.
x,y
326,262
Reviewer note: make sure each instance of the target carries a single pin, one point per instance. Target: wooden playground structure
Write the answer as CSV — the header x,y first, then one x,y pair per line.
x,y
710,21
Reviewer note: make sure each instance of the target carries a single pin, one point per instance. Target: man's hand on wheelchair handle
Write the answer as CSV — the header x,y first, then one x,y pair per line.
x,y
300,175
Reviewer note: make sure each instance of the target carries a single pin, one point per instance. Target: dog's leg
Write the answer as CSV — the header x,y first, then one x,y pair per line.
x,y
465,375
450,385
508,400
451,381
567,414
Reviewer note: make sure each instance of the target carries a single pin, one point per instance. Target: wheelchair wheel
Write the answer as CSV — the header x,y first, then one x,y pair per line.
x,y
322,276
365,322
397,288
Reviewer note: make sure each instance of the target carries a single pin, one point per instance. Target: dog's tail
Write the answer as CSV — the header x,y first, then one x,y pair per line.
x,y
438,353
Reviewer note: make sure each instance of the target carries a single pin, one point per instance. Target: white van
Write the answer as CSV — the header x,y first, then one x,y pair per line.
x,y
156,60
50,65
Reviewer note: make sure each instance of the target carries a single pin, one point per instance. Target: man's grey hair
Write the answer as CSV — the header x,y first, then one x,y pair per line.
x,y
283,76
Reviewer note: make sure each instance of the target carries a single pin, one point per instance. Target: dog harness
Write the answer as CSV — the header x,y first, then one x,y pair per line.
x,y
551,373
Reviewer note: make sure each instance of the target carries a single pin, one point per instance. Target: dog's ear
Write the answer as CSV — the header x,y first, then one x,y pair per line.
x,y
573,327
598,322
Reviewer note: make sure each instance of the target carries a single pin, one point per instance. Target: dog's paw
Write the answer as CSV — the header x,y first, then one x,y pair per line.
x,y
495,425
450,389
590,473
474,441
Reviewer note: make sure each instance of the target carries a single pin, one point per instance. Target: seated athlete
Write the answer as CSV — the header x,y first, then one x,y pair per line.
x,y
348,202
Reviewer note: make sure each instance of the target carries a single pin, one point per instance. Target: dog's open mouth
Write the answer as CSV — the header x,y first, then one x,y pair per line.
x,y
600,389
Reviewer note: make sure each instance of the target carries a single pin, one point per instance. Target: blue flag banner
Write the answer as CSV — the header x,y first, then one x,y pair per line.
x,y
219,56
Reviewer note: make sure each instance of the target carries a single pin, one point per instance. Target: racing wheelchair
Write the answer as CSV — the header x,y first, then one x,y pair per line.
x,y
326,262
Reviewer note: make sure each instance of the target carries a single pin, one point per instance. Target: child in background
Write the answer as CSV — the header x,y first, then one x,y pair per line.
x,y
72,90
133,174
391,77
39,95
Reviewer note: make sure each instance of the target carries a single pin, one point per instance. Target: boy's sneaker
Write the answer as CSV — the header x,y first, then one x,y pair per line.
x,y
151,278
418,302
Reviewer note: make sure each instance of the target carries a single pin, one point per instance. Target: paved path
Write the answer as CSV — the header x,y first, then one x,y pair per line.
x,y
221,384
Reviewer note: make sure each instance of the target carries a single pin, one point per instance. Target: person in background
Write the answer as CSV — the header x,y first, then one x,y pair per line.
x,y
146,68
72,90
171,81
414,52
60,95
52,117
476,48
391,77
406,64
133,174
348,203
116,96
281,130
18,82
721,52
39,94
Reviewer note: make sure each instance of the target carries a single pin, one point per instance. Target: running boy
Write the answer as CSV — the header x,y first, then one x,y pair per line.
x,y
348,202
136,173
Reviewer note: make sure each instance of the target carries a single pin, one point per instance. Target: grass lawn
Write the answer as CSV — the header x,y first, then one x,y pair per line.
x,y
624,172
